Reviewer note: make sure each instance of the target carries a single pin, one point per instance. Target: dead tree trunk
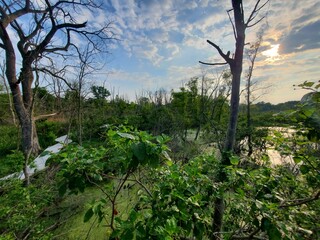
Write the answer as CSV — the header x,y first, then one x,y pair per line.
x,y
235,63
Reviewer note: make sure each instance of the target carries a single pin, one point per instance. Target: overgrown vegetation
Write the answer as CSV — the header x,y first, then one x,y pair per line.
x,y
157,168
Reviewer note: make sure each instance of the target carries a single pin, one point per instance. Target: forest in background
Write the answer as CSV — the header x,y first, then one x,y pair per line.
x,y
190,164
118,143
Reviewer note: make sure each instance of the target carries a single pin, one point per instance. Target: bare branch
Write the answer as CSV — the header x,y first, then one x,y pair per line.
x,y
254,14
45,116
224,56
233,27
213,64
56,75
256,22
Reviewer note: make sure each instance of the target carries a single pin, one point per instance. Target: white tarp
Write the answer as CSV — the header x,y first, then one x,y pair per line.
x,y
40,162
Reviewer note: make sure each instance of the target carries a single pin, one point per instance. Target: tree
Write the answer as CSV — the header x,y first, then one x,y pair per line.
x,y
100,92
235,62
252,54
37,47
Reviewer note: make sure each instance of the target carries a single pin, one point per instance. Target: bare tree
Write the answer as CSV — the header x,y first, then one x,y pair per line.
x,y
38,47
252,54
235,62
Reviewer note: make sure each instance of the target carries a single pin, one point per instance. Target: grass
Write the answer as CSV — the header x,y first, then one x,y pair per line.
x,y
75,208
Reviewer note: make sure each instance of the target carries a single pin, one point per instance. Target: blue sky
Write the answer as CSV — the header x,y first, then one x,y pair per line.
x,y
161,42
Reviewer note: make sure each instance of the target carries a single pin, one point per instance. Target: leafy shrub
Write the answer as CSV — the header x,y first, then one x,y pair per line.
x,y
22,208
9,139
48,131
11,163
179,206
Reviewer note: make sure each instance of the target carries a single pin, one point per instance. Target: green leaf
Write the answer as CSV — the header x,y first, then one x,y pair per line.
x,y
308,84
44,153
64,154
297,159
274,233
171,225
271,229
234,160
139,151
127,235
265,224
88,215
133,215
304,169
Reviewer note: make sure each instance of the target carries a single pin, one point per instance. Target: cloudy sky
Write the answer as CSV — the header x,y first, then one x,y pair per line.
x,y
161,42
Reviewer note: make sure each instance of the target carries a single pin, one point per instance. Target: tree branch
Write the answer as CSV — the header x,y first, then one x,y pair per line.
x,y
254,14
233,27
213,64
224,56
56,75
298,202
45,116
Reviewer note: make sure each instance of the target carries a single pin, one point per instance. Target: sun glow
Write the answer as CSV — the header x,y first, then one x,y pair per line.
x,y
272,52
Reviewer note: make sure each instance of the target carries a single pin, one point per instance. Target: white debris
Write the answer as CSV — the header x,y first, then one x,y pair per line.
x,y
40,162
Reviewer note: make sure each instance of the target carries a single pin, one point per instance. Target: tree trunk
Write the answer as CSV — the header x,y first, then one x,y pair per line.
x,y
236,70
23,103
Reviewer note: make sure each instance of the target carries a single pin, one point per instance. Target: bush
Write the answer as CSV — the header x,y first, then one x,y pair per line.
x,y
48,131
9,139
11,163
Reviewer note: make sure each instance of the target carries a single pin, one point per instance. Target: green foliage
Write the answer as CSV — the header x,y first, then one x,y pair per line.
x,y
44,101
100,92
8,139
11,163
48,131
22,208
11,159
126,151
180,204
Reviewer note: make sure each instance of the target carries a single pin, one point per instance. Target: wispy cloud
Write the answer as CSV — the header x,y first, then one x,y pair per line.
x,y
171,37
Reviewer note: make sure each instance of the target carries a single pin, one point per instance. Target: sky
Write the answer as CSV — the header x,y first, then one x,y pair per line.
x,y
161,42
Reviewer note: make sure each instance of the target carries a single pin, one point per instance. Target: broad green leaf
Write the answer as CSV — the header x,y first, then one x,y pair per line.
x,y
297,159
274,233
88,215
171,225
234,160
308,84
139,151
133,215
